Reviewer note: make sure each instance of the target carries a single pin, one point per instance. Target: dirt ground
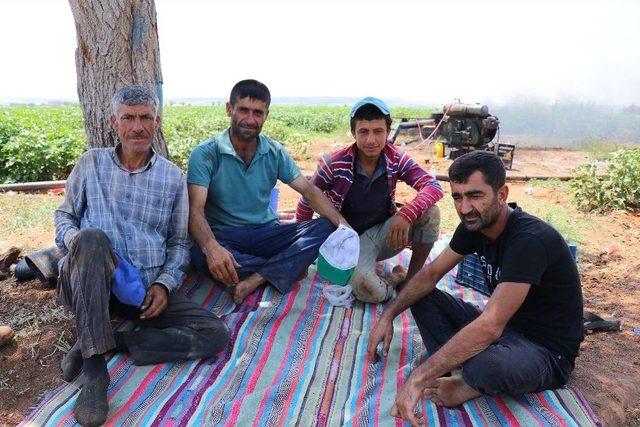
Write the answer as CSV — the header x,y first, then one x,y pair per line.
x,y
607,371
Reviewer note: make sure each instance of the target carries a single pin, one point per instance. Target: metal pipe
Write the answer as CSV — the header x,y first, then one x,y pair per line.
x,y
510,178
33,186
56,185
415,123
516,178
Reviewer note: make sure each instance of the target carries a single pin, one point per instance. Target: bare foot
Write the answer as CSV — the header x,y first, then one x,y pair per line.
x,y
245,287
397,275
431,392
449,391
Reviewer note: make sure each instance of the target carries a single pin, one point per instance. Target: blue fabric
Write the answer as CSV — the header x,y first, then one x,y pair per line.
x,y
377,102
127,284
279,253
470,274
238,195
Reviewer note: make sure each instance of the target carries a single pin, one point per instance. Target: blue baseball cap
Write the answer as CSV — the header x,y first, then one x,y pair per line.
x,y
378,103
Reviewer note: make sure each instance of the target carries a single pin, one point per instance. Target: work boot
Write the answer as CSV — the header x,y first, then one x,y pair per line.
x,y
7,260
71,363
6,335
91,406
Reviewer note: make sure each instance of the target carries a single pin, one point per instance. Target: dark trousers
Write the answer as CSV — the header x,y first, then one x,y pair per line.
x,y
279,253
183,330
511,365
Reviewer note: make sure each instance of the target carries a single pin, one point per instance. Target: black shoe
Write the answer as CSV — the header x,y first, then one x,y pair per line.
x,y
71,363
91,406
593,323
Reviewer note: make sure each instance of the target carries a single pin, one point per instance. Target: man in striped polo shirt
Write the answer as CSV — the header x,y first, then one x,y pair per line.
x,y
361,181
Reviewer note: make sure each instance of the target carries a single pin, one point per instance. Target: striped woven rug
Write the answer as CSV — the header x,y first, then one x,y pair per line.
x,y
297,360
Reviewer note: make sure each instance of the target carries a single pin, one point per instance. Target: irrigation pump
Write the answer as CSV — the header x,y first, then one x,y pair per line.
x,y
463,127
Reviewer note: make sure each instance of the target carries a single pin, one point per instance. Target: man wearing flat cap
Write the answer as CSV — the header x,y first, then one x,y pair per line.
x,y
361,181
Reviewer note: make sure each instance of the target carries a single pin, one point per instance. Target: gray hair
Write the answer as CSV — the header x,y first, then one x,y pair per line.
x,y
134,95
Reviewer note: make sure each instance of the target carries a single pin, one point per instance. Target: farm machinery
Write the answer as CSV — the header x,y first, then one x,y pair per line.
x,y
462,128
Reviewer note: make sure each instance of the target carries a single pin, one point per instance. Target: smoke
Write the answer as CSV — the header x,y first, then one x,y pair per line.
x,y
568,124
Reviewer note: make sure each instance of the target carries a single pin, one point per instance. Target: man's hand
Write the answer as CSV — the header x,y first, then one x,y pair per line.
x,y
406,402
382,332
155,302
398,236
345,223
222,265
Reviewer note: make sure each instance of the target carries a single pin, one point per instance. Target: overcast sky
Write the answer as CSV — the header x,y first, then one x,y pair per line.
x,y
422,51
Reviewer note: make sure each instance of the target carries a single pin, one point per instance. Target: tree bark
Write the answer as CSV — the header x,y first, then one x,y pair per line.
x,y
117,45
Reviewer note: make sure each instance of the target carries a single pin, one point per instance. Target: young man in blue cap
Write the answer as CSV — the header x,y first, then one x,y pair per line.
x,y
239,239
361,181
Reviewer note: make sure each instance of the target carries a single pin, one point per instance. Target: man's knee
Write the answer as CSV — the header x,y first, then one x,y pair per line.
x,y
322,227
431,303
484,373
91,255
433,306
492,372
217,335
424,309
426,229
91,238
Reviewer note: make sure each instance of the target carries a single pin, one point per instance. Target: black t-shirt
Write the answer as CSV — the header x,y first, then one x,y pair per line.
x,y
367,202
531,251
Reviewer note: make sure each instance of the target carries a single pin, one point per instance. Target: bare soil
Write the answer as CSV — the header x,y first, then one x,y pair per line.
x,y
607,371
29,366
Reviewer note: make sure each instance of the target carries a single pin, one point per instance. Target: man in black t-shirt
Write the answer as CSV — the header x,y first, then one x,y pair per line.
x,y
528,335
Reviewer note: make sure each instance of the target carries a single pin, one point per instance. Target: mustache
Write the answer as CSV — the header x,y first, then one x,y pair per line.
x,y
472,216
139,134
246,126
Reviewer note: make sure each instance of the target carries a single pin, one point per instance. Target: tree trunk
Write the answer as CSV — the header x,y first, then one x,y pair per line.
x,y
117,45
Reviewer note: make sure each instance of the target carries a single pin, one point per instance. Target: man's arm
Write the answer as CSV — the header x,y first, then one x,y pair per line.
x,y
429,192
468,342
317,200
221,263
67,216
323,179
428,188
417,288
178,243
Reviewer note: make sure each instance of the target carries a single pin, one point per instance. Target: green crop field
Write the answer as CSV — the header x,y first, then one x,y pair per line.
x,y
43,143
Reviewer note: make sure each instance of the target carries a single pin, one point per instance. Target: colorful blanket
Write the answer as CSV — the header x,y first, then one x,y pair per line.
x,y
296,360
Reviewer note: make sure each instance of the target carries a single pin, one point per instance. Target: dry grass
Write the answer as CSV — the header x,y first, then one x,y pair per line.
x,y
26,220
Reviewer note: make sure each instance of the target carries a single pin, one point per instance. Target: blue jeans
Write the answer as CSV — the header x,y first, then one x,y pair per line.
x,y
511,365
280,253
